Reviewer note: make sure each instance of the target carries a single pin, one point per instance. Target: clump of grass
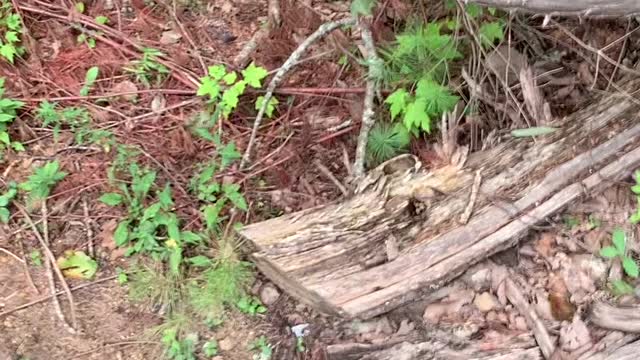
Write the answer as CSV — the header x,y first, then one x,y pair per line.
x,y
386,141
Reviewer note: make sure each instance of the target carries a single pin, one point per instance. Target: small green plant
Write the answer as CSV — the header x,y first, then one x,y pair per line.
x,y
8,113
121,276
85,35
179,349
618,250
10,31
72,118
89,79
5,200
223,89
386,141
210,348
300,347
148,68
40,183
36,257
250,305
263,349
635,218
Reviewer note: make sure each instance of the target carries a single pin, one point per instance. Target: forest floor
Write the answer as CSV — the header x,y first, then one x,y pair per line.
x,y
151,117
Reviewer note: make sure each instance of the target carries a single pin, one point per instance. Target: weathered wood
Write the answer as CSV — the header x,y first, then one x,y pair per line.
x,y
573,7
623,318
335,257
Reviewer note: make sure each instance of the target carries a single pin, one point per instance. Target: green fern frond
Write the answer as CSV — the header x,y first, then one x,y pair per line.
x,y
386,141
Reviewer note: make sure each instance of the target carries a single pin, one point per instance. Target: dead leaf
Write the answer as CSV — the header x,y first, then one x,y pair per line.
x,y
544,244
575,335
455,301
506,63
485,302
106,234
125,86
561,306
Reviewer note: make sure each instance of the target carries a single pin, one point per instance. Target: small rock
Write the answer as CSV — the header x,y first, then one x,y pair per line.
x,y
299,330
126,86
485,302
269,294
226,344
170,37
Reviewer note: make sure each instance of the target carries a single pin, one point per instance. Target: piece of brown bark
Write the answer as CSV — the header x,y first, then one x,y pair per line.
x,y
333,256
573,7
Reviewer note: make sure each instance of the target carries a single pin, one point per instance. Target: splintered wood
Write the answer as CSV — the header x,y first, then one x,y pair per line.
x,y
335,257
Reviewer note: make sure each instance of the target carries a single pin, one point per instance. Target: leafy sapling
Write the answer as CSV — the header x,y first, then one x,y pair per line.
x,y
10,32
8,113
263,349
5,201
40,183
618,250
148,69
251,305
89,80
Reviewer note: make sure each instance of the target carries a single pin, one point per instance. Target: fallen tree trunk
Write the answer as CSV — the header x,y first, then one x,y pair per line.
x,y
394,241
574,7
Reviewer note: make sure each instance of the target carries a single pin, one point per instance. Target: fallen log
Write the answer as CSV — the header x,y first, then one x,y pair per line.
x,y
574,7
398,237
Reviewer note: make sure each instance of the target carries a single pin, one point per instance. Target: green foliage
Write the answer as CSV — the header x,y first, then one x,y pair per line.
x,y
179,349
148,68
490,32
89,80
362,7
40,183
8,113
5,200
618,250
72,118
386,141
223,89
10,32
36,257
121,276
263,349
620,287
635,218
250,305
210,348
77,264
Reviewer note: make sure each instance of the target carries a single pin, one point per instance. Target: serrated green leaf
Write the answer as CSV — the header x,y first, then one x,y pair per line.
x,y
619,239
609,252
4,138
77,265
473,10
232,192
437,98
121,234
362,7
270,106
415,114
230,78
217,71
490,32
13,22
253,75
630,267
209,87
11,36
636,189
112,199
229,154
8,51
397,102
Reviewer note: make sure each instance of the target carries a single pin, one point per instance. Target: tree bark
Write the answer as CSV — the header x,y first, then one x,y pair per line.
x,y
397,240
573,7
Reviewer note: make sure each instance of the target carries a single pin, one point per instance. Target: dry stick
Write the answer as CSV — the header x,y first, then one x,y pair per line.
x,y
12,255
87,225
26,269
292,61
574,7
535,324
326,172
52,259
47,297
374,63
274,20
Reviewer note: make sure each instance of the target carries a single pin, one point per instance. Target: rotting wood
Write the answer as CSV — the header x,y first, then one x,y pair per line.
x,y
623,318
333,258
573,7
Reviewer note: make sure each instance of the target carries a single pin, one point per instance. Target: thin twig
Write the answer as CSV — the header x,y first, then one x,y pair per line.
x,y
87,225
12,255
291,62
47,297
374,63
26,269
326,172
52,260
472,198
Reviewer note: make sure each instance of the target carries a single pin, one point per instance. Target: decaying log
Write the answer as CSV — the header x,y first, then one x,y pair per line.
x,y
623,318
573,7
337,257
